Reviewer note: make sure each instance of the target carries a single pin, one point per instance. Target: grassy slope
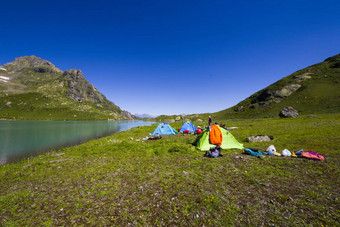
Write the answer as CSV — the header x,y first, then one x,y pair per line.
x,y
320,94
41,96
36,106
115,180
317,95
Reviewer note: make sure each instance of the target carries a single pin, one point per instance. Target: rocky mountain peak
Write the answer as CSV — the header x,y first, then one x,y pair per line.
x,y
52,89
74,74
80,89
29,61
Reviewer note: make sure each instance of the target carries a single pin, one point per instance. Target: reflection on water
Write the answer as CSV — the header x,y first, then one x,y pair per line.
x,y
20,139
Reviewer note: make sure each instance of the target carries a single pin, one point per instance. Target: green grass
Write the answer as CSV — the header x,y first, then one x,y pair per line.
x,y
117,181
36,106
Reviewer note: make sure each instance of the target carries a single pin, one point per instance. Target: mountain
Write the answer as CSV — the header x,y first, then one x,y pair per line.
x,y
312,90
144,116
33,88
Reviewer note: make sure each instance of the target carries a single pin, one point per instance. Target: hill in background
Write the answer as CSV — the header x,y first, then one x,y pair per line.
x,y
312,90
33,88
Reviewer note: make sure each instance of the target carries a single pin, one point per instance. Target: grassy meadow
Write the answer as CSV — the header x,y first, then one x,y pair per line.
x,y
123,180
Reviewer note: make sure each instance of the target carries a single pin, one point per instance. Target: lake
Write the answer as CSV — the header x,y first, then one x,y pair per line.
x,y
21,139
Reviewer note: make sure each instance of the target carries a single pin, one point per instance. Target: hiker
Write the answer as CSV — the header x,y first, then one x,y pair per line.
x,y
210,120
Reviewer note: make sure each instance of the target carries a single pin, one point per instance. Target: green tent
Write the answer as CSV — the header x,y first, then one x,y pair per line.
x,y
228,140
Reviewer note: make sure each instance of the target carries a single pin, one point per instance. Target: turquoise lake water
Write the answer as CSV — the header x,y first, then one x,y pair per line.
x,y
21,139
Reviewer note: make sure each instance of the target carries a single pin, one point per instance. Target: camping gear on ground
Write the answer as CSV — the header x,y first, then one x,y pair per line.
x,y
215,136
188,126
253,152
199,130
186,132
156,137
286,153
277,154
298,153
312,155
271,148
164,129
228,140
213,152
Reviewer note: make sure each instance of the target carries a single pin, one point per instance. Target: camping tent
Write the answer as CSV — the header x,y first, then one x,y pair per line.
x,y
188,126
228,140
164,129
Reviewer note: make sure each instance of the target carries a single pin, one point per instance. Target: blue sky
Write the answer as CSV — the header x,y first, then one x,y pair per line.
x,y
171,56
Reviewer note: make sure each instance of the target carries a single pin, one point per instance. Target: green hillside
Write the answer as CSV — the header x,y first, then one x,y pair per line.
x,y
312,90
33,88
317,91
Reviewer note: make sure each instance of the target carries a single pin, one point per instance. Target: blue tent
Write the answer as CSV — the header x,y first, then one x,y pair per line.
x,y
164,129
188,126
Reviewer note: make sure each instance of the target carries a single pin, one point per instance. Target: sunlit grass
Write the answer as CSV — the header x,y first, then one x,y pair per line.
x,y
117,181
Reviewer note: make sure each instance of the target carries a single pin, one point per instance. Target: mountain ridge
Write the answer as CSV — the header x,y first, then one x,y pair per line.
x,y
63,95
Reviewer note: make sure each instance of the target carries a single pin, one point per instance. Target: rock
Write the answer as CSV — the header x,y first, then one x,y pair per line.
x,y
31,61
287,90
263,96
199,120
288,112
80,89
185,173
172,121
268,96
335,65
303,77
127,115
44,69
259,138
239,109
178,118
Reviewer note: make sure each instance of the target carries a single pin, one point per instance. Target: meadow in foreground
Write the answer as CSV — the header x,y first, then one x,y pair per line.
x,y
117,180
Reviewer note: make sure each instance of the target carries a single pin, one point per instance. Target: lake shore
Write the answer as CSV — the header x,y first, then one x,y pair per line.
x,y
122,179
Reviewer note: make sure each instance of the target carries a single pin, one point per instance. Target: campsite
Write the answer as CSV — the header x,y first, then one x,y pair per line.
x,y
169,113
121,180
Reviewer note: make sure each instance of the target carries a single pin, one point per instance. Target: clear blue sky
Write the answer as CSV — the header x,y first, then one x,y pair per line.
x,y
173,56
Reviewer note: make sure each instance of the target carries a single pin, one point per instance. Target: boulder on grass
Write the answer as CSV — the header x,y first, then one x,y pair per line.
x,y
259,138
288,112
